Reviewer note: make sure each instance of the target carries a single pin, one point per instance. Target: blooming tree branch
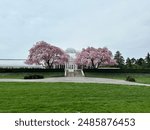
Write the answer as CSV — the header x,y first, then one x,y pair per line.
x,y
46,55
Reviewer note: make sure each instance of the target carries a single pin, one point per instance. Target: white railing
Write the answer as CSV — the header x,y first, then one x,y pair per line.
x,y
82,73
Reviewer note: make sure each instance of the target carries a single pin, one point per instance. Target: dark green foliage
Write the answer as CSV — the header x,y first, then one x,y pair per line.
x,y
33,77
128,63
147,59
118,70
119,59
130,78
141,62
18,70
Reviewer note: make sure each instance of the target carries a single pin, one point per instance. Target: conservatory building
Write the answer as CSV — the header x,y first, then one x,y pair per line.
x,y
70,65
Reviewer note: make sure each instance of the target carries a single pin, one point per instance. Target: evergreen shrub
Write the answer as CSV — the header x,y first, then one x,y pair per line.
x,y
33,77
130,78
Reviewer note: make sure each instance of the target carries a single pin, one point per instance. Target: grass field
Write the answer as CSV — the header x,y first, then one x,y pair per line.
x,y
141,78
73,97
21,75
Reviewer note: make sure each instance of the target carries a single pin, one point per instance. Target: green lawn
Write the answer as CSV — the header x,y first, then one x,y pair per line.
x,y
141,78
73,97
21,75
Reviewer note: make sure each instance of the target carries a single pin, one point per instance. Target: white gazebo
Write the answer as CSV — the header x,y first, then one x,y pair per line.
x,y
70,65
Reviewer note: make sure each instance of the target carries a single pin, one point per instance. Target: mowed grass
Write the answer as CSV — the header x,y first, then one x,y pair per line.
x,y
21,75
139,77
73,97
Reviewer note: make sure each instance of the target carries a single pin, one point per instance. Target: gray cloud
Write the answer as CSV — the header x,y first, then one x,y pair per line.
x,y
119,25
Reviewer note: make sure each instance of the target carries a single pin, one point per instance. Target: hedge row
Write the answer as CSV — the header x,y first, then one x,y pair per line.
x,y
118,70
18,70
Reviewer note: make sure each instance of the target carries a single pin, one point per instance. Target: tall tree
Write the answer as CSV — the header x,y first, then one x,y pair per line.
x,y
140,62
119,59
147,59
95,57
128,63
133,61
46,55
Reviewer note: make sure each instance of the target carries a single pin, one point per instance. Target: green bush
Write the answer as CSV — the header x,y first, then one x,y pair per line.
x,y
33,77
130,78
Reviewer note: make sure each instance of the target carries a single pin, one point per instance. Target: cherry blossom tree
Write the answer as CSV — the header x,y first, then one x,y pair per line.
x,y
46,55
95,57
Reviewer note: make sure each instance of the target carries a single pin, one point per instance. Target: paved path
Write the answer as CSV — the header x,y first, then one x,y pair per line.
x,y
77,80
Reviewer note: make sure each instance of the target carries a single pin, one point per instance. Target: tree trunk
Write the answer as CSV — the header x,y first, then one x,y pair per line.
x,y
93,63
49,65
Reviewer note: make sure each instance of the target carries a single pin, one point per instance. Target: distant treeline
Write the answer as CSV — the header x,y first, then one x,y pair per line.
x,y
132,63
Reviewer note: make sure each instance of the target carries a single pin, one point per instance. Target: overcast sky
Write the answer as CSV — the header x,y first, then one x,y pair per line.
x,y
122,25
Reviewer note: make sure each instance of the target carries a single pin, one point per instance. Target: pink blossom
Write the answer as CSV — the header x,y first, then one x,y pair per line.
x,y
95,57
46,55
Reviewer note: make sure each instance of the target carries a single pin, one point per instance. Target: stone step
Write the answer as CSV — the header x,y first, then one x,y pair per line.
x,y
75,73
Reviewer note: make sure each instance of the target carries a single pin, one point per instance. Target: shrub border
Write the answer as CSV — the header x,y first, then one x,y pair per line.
x,y
18,70
118,70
